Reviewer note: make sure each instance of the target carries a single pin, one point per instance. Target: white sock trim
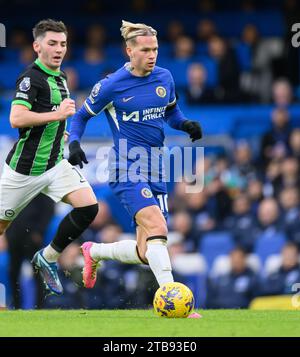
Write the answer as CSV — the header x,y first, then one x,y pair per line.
x,y
50,254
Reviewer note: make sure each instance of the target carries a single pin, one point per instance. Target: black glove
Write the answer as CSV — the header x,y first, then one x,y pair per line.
x,y
76,155
193,128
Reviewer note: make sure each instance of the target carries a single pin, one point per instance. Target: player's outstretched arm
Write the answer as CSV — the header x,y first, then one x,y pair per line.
x,y
78,124
176,119
22,117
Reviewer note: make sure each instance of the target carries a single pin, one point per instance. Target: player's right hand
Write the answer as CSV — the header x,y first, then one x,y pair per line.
x,y
67,108
76,154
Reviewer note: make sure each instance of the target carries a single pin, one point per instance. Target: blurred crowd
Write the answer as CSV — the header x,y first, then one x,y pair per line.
x,y
241,234
237,239
208,67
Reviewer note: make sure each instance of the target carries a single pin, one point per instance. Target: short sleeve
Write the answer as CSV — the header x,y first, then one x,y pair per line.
x,y
27,87
100,97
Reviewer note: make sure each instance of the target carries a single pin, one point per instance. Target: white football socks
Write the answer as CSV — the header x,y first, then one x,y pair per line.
x,y
50,254
159,262
123,251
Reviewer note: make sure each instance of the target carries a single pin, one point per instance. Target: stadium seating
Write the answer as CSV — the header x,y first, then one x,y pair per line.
x,y
272,264
27,286
197,283
4,279
192,269
268,244
222,264
9,72
215,244
243,53
233,122
88,74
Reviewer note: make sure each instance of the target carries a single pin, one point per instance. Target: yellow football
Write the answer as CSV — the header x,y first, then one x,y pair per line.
x,y
173,300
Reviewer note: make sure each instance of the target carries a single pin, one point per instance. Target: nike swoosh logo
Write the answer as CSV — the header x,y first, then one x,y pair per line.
x,y
127,99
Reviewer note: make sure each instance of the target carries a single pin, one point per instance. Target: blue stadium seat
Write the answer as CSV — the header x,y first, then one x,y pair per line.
x,y
231,23
197,283
165,50
211,67
214,244
11,54
5,127
178,68
77,52
89,74
9,72
202,49
269,244
27,287
4,277
295,121
114,50
243,53
52,228
247,127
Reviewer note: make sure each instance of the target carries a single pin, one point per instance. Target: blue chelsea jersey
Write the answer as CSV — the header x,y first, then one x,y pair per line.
x,y
134,106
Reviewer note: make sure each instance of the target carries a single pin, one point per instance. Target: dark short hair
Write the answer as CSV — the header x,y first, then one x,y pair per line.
x,y
43,26
240,249
291,244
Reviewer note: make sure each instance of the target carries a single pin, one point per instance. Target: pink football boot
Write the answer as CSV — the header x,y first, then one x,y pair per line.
x,y
89,273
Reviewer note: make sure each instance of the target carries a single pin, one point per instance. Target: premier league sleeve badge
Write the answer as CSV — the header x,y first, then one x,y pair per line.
x,y
25,84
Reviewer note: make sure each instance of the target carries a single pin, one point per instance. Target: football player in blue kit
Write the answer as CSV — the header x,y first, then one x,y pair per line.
x,y
137,100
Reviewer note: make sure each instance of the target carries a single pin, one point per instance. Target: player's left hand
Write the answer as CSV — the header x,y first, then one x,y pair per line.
x,y
193,128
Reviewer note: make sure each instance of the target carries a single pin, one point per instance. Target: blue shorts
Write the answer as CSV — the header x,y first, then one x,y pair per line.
x,y
135,196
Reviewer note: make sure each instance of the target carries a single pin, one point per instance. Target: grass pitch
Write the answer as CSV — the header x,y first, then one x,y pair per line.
x,y
136,323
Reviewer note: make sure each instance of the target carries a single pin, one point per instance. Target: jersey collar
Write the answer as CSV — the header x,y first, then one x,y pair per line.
x,y
129,69
45,69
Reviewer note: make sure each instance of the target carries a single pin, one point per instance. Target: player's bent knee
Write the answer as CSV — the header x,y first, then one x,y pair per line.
x,y
87,214
163,229
157,228
155,225
91,211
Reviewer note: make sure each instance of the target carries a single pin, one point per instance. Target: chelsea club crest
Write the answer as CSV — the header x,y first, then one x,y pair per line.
x,y
161,91
146,193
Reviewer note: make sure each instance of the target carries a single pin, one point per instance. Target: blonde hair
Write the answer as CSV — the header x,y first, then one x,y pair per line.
x,y
129,30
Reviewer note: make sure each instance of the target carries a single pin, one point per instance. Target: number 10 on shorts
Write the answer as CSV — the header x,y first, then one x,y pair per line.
x,y
163,202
